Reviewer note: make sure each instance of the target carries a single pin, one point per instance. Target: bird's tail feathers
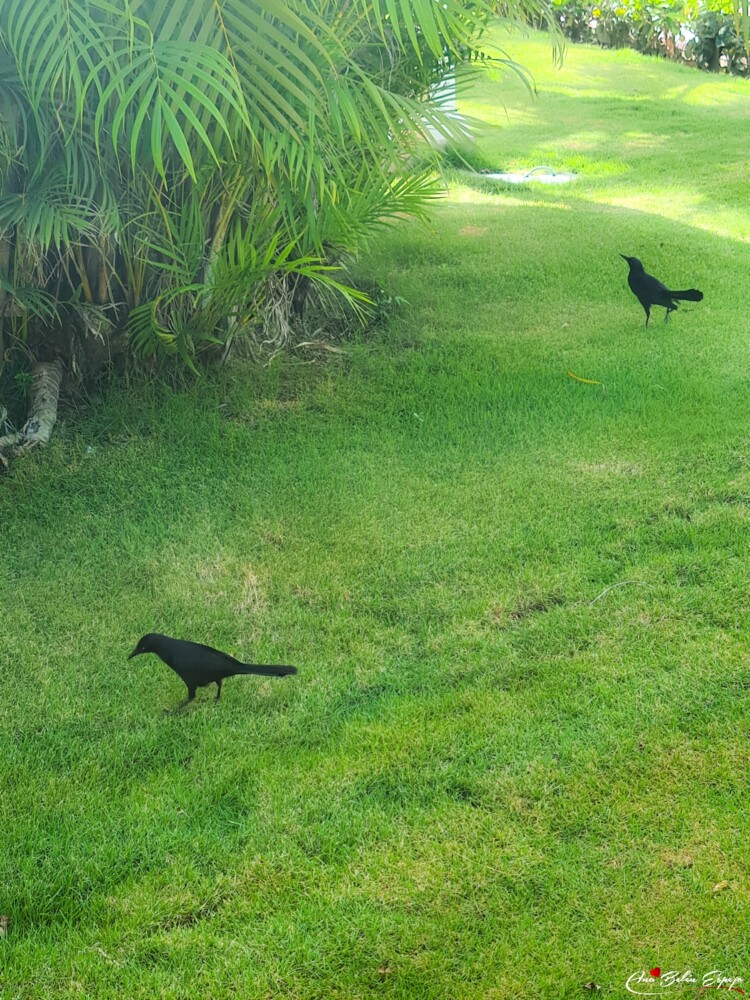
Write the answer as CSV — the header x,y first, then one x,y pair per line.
x,y
692,294
266,671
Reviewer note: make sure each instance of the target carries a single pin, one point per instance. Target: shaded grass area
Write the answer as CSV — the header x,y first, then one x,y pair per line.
x,y
481,783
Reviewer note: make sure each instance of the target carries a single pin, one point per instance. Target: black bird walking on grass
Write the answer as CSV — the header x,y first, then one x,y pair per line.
x,y
650,292
199,665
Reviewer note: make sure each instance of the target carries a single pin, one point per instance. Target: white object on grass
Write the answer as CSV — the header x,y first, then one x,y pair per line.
x,y
543,175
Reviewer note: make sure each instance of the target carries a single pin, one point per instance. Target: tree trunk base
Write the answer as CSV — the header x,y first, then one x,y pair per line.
x,y
45,393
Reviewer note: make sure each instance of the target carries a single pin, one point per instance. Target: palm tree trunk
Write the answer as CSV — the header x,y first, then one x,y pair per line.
x,y
45,393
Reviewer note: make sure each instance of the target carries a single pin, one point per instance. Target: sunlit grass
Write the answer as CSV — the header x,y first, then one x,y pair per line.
x,y
626,124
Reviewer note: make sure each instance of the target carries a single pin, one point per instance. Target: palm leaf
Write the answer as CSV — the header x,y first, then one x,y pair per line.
x,y
29,299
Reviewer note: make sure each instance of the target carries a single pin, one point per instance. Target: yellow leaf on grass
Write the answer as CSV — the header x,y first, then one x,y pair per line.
x,y
588,381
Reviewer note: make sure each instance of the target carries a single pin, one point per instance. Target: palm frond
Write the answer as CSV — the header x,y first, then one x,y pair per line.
x,y
49,215
30,299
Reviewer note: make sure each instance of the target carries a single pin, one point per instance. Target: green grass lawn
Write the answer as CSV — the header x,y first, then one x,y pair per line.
x,y
483,782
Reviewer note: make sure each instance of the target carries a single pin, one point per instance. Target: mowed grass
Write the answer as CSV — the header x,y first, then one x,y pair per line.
x,y
484,781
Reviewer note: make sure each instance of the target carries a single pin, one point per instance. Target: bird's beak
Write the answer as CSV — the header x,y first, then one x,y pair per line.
x,y
134,653
624,257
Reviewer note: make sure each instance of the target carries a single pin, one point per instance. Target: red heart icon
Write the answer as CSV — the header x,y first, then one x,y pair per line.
x,y
655,972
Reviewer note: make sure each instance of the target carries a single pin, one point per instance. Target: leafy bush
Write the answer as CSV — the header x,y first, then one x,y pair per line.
x,y
612,25
178,176
715,43
704,35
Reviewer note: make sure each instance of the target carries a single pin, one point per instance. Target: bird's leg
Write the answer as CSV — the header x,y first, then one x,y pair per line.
x,y
648,314
218,690
175,711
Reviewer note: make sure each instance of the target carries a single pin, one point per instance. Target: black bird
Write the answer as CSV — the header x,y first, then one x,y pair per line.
x,y
199,665
650,292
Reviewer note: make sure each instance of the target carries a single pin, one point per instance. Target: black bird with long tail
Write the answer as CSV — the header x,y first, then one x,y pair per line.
x,y
651,292
199,665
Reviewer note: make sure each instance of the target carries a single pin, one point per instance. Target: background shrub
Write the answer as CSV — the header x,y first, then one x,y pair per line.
x,y
707,35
